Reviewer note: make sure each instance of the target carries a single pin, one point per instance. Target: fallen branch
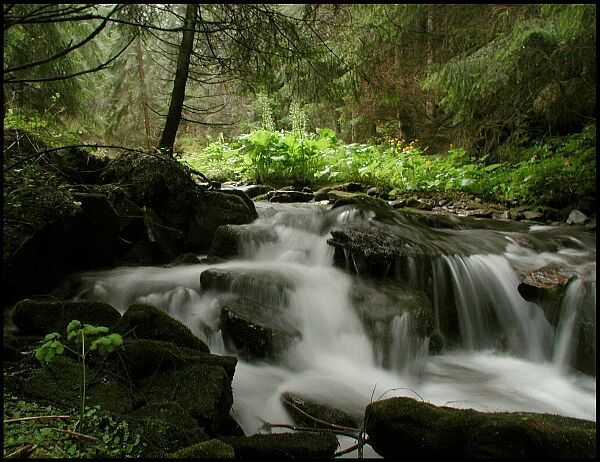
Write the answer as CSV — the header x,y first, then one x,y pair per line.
x,y
347,450
22,419
75,434
269,425
22,451
341,427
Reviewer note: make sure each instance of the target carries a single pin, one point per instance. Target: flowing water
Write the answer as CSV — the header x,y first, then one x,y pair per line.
x,y
504,355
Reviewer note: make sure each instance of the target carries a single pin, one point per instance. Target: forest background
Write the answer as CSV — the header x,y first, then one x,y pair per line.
x,y
493,99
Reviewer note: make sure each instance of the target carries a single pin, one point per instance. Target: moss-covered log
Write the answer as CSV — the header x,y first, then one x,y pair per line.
x,y
404,427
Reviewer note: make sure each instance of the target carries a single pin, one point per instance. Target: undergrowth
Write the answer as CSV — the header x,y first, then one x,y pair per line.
x,y
557,171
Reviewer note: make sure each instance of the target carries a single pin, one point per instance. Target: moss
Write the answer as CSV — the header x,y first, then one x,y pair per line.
x,y
165,427
404,427
294,445
204,391
144,357
436,343
59,382
341,199
43,316
150,322
211,449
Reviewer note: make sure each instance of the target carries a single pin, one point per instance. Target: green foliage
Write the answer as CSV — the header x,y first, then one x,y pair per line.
x,y
98,342
115,439
558,172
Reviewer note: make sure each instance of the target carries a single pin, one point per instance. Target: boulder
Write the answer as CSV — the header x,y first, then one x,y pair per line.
x,y
299,407
254,190
166,427
263,286
158,182
215,209
142,358
290,196
577,218
44,316
253,330
546,287
229,240
302,445
77,166
187,258
150,322
210,449
340,198
53,234
407,428
58,382
202,390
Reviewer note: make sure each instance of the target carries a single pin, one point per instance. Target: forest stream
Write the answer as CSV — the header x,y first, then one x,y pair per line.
x,y
500,352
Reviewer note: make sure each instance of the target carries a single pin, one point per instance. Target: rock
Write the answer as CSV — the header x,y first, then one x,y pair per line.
x,y
159,183
533,215
418,204
255,190
577,218
187,258
255,331
299,406
229,240
247,200
478,213
302,445
210,449
350,187
266,287
144,357
77,166
61,235
166,426
59,382
378,302
322,194
164,242
150,322
202,390
290,196
215,209
404,427
546,286
43,316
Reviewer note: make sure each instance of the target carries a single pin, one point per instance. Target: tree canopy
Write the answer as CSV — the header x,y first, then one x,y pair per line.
x,y
486,77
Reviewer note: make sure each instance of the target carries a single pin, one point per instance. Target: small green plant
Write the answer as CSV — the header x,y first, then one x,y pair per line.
x,y
88,339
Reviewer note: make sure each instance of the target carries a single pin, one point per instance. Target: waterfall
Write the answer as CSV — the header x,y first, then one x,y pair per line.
x,y
501,352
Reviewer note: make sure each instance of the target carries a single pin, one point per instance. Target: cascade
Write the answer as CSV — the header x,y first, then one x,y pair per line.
x,y
500,354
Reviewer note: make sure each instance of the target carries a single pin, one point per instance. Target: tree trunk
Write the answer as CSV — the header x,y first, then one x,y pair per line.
x,y
144,93
167,139
430,105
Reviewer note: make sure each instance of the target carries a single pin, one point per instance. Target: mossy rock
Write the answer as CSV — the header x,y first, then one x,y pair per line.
x,y
210,449
166,427
43,316
144,357
59,382
147,321
299,406
203,390
187,258
212,210
341,198
404,427
288,445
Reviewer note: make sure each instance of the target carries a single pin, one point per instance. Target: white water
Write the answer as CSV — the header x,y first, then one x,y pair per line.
x,y
508,356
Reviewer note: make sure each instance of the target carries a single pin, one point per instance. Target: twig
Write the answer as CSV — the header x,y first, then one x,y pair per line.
x,y
75,434
319,420
29,447
400,388
21,419
310,429
347,450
